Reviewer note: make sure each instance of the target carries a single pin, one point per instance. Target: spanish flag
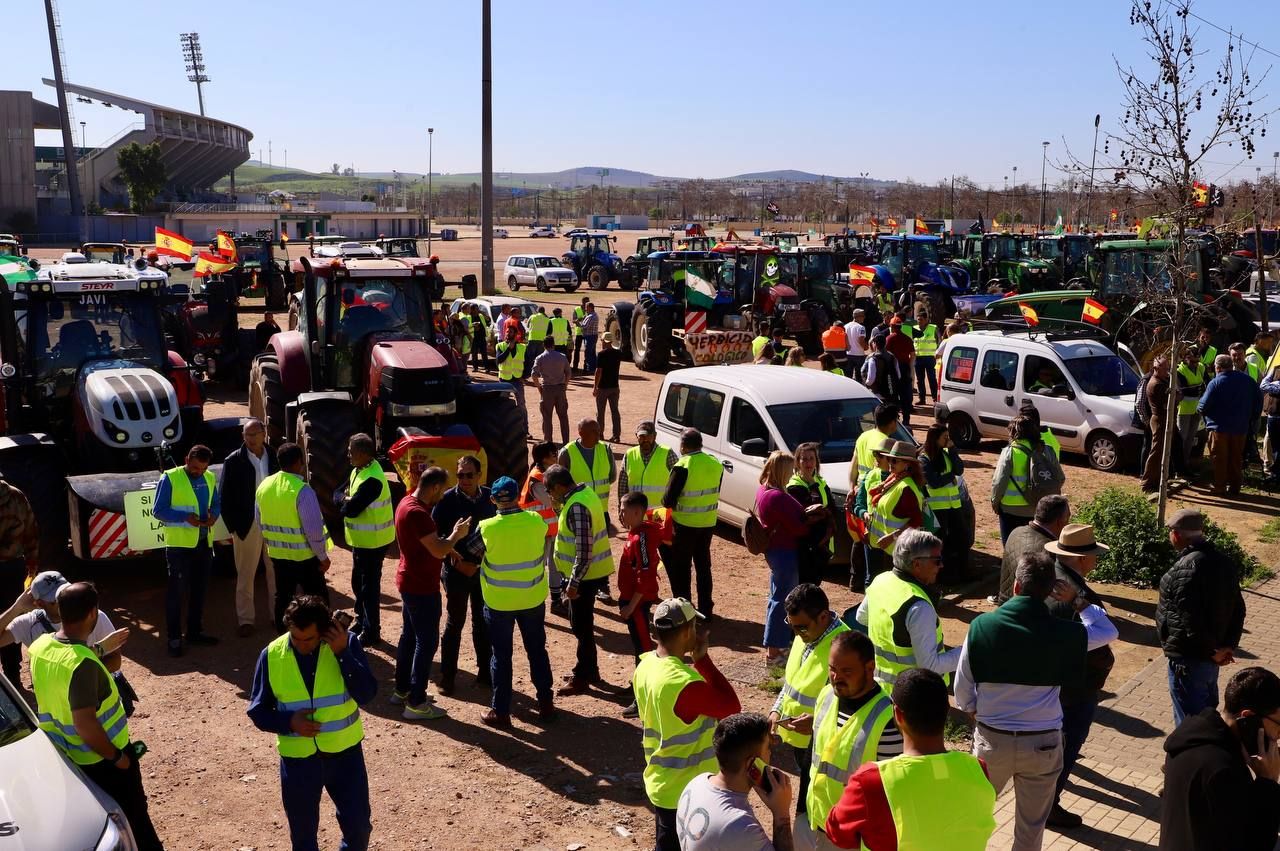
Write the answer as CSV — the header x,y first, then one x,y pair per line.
x,y
211,264
857,528
920,226
893,223
861,273
1029,313
1093,311
227,247
172,244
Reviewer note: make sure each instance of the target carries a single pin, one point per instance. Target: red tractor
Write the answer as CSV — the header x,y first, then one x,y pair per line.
x,y
363,357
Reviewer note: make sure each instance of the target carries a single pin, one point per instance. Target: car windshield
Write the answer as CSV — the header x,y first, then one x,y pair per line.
x,y
104,254
254,252
1006,247
1050,249
818,266
834,424
65,333
1103,375
923,251
547,263
1128,272
14,723
372,305
1269,240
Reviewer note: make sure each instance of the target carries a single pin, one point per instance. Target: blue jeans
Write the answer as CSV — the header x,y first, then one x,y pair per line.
x,y
188,572
344,777
1193,686
784,574
589,342
1077,720
533,634
925,371
419,638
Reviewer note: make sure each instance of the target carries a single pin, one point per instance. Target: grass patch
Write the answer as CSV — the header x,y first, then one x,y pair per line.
x,y
958,734
773,678
1270,531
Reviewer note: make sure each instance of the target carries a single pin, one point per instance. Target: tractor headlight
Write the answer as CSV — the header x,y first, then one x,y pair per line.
x,y
170,432
199,360
115,432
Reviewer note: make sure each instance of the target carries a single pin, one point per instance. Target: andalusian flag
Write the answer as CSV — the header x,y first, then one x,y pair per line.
x,y
1093,311
172,244
211,264
227,247
920,226
1029,313
1057,226
699,292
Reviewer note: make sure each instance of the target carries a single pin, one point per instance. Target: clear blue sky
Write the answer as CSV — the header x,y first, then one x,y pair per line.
x,y
900,90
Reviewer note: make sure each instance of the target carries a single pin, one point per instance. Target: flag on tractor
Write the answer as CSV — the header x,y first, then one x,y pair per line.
x,y
211,264
1115,214
226,247
172,244
918,226
1057,226
1199,194
893,223
1093,311
698,291
1029,313
861,274
772,208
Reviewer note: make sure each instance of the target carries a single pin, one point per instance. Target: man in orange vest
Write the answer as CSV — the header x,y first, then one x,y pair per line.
x,y
835,342
534,497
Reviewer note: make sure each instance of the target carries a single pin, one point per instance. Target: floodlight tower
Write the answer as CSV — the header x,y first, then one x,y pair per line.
x,y
194,58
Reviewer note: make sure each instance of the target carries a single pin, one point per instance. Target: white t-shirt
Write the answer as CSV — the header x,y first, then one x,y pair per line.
x,y
27,628
259,467
857,336
709,818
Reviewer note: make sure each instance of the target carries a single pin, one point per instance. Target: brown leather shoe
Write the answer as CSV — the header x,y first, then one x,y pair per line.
x,y
572,687
547,710
493,719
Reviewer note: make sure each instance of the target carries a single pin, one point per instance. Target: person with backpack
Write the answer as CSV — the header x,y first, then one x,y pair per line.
x,y
1026,470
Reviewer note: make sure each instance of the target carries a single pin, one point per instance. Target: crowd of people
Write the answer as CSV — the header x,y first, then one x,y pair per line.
x,y
864,696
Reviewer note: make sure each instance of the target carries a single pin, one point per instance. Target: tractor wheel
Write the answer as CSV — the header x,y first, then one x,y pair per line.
x,y
513,284
651,337
267,397
323,433
598,277
618,322
500,425
277,293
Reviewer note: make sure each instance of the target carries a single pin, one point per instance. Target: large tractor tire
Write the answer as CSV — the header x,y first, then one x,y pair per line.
x,y
267,397
500,425
651,337
598,277
323,432
618,322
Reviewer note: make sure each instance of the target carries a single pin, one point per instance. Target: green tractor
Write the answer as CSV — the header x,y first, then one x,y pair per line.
x,y
782,239
701,242
1068,252
1005,259
635,269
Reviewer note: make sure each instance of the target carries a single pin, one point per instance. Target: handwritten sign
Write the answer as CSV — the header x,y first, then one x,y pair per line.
x,y
709,347
145,531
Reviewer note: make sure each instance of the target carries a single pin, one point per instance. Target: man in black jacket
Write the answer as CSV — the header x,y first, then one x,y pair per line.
x,y
1220,772
242,472
1200,616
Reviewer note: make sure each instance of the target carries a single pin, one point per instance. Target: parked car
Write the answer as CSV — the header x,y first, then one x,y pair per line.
x,y
575,232
542,230
48,803
538,270
492,307
745,411
500,233
1083,390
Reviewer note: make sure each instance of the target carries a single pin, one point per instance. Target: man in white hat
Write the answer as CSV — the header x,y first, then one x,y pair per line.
x,y
1076,552
36,613
605,384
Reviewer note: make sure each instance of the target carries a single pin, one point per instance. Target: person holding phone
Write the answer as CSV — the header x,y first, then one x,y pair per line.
x,y
1221,768
715,812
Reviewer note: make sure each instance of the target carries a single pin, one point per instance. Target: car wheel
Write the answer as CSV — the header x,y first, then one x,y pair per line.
x,y
573,288
1103,450
513,284
964,433
542,284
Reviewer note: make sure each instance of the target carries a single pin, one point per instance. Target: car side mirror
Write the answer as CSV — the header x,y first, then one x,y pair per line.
x,y
1063,391
755,447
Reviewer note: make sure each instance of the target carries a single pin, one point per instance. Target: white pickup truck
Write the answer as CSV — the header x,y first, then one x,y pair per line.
x,y
745,411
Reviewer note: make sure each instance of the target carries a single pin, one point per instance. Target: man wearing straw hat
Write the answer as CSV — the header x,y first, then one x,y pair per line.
x,y
1076,552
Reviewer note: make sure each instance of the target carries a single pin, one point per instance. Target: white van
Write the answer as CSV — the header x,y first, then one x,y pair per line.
x,y
745,411
1083,390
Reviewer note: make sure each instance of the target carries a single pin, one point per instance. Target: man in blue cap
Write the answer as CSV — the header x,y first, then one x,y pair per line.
x,y
509,549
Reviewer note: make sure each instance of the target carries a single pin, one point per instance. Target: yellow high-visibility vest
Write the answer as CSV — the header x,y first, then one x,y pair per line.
x,y
328,703
375,526
839,750
182,497
595,474
887,594
513,575
601,554
52,665
700,498
674,752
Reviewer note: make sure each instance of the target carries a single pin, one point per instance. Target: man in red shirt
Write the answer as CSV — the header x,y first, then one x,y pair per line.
x,y
927,798
900,346
418,580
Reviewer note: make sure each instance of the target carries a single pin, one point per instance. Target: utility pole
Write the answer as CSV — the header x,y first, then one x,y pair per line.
x,y
1088,204
486,151
64,112
430,197
1044,158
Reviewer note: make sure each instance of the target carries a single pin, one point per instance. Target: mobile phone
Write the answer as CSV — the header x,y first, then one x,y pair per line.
x,y
343,619
1247,728
758,771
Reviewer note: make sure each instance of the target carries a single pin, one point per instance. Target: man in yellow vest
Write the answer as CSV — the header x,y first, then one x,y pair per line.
x,y
80,708
188,503
930,797
539,330
590,461
693,495
511,355
1191,383
925,337
293,527
308,687
679,706
646,467
561,334
900,613
809,615
480,337
513,579
369,522
1204,342
579,314
585,561
886,418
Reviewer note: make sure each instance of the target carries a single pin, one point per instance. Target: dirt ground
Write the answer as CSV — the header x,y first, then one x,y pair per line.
x,y
456,784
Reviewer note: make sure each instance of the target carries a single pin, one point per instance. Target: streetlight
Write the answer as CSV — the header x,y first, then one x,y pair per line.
x,y
430,200
1088,206
1044,159
83,146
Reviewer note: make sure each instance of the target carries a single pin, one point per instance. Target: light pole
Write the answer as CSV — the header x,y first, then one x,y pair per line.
x,y
1275,158
83,146
486,150
430,200
1044,159
1015,191
1088,204
1004,196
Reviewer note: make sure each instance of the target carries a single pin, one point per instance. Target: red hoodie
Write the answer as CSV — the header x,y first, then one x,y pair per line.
x,y
638,567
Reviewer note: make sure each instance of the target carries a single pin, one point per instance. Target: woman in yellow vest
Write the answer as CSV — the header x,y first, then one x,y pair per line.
x,y
928,798
369,523
1011,480
560,331
942,470
308,687
808,488
898,502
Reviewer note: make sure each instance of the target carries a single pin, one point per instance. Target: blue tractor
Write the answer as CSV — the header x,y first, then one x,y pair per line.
x,y
912,269
591,255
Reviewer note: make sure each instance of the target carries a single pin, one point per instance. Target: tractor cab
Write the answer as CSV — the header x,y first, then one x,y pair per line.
x,y
1068,253
12,246
591,256
349,248
398,246
812,272
782,239
754,274
105,252
699,242
850,248
1005,259
635,269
